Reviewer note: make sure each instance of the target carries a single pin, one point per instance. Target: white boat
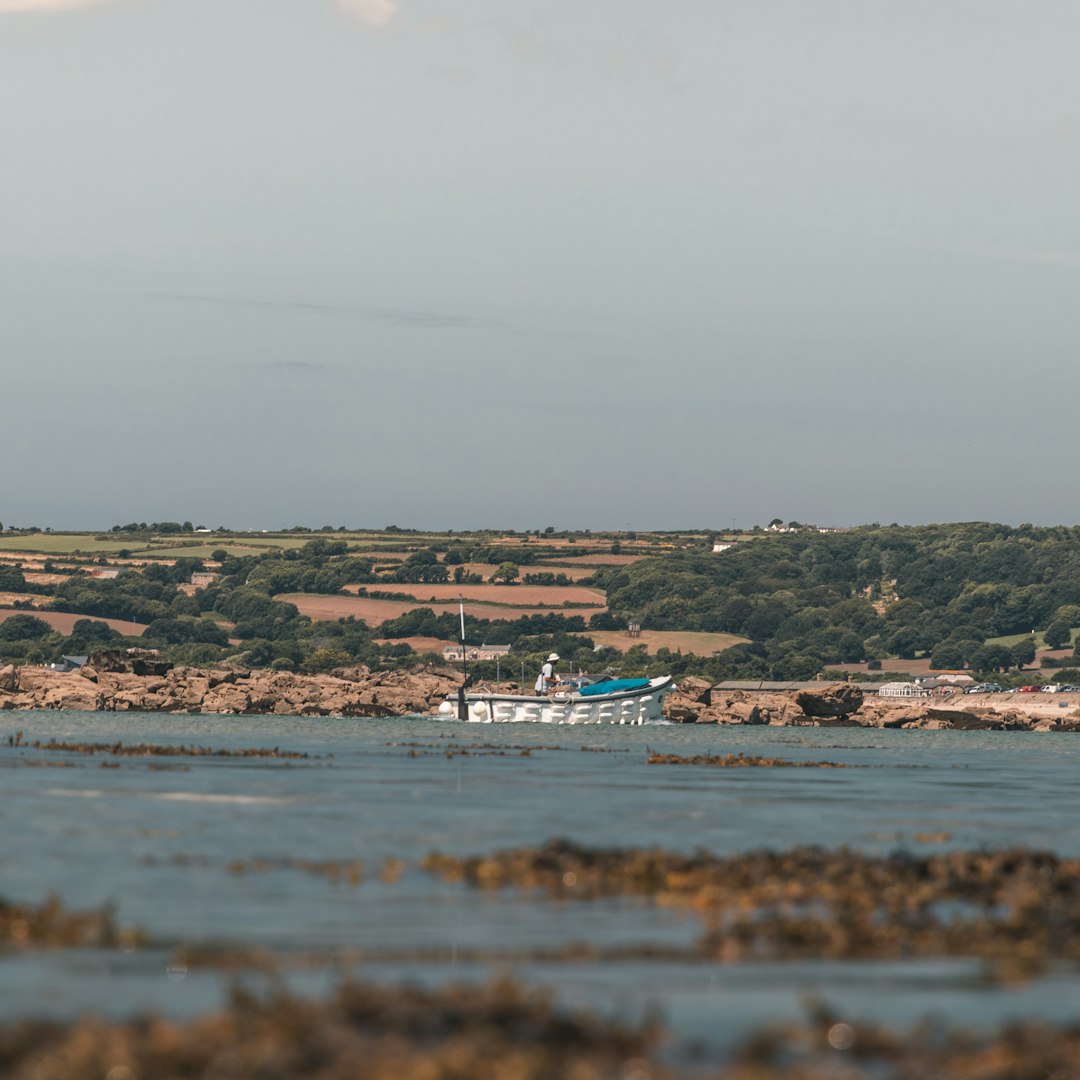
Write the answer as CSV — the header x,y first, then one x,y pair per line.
x,y
586,705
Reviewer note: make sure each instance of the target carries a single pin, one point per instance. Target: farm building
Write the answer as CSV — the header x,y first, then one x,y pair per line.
x,y
475,652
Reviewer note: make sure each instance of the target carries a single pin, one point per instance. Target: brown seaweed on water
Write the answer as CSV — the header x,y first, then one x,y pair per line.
x,y
739,761
501,1031
1016,909
53,926
493,1032
118,749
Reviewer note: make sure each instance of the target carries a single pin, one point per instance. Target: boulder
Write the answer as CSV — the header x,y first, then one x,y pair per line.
x,y
685,703
841,699
134,661
9,679
741,712
697,690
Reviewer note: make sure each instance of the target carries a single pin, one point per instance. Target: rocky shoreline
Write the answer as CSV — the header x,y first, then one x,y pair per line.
x,y
843,705
352,692
116,684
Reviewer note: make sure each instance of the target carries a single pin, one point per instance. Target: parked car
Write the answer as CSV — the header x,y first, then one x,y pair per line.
x,y
1030,689
984,688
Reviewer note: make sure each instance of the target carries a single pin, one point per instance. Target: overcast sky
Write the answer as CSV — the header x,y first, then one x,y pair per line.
x,y
586,263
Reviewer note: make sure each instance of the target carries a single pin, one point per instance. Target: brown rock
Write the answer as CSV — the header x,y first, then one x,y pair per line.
x,y
135,661
741,712
841,699
698,690
9,679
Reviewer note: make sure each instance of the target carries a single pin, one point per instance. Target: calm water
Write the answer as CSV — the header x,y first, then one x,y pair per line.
x,y
156,838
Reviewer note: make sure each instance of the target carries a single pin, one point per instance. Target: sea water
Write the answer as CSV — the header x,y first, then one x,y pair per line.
x,y
209,853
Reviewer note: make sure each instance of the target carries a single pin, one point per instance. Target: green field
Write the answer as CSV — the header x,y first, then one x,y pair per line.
x,y
1040,641
63,544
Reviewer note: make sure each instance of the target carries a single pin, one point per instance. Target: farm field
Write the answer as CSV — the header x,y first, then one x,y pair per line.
x,y
63,544
64,621
9,599
37,578
374,612
592,560
419,644
247,546
574,573
1015,639
547,596
687,641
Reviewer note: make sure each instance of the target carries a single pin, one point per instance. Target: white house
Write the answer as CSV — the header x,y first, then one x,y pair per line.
x,y
902,690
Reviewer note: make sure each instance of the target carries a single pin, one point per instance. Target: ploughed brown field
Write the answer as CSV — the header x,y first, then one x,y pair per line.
x,y
374,612
64,621
549,596
687,641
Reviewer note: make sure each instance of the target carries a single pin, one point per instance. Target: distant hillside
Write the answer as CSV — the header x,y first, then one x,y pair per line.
x,y
807,599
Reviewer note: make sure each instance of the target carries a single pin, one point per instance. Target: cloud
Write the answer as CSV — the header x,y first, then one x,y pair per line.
x,y
10,7
370,12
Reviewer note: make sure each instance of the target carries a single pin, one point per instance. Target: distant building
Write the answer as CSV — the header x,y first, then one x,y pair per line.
x,y
69,663
903,690
107,572
475,652
202,578
948,678
721,546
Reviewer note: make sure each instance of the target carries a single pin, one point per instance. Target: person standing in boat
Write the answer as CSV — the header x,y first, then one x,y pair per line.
x,y
547,679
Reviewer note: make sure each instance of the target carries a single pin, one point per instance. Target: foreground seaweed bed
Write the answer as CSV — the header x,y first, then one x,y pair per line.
x,y
498,1031
502,1032
1015,909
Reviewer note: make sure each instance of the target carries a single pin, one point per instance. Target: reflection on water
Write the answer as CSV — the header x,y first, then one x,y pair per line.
x,y
211,851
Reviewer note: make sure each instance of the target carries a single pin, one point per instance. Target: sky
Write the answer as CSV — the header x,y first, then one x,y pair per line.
x,y
607,264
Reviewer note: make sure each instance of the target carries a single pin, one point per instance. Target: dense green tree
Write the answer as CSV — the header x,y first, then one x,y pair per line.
x,y
1023,652
947,655
24,628
1057,635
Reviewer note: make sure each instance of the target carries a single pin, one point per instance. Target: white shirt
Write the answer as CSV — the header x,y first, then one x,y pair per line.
x,y
545,678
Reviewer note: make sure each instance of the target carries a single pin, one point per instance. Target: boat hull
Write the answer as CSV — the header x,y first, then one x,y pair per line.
x,y
629,707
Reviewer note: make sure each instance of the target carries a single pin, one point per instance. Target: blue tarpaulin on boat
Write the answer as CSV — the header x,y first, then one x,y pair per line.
x,y
613,686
